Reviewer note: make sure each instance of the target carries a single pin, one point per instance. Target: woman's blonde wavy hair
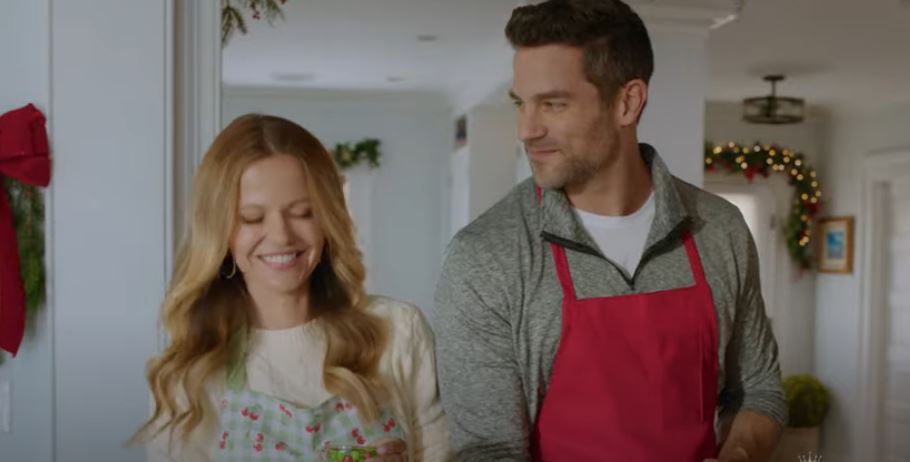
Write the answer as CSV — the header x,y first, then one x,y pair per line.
x,y
207,315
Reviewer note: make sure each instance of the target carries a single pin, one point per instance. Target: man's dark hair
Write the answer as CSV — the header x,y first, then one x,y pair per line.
x,y
613,38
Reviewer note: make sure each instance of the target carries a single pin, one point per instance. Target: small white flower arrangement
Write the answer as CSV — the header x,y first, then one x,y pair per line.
x,y
810,457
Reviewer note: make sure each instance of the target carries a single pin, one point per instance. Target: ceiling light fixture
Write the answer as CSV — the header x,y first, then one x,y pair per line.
x,y
773,109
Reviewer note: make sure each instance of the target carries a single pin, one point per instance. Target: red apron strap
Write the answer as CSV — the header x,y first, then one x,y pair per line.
x,y
562,270
560,260
698,273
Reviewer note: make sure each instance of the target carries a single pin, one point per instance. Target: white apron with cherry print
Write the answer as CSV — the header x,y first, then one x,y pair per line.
x,y
257,427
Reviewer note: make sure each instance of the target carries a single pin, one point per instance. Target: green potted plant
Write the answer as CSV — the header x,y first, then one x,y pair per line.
x,y
808,401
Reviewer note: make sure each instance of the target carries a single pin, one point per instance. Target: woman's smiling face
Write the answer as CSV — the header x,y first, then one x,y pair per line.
x,y
277,241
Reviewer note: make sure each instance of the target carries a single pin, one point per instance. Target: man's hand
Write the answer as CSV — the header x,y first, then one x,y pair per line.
x,y
753,437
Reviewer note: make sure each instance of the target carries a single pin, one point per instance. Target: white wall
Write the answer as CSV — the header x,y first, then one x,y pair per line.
x,y
673,121
404,194
109,115
492,141
838,318
482,171
489,78
723,123
25,79
99,70
793,304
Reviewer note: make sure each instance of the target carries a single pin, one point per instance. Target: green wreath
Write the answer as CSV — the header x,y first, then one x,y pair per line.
x,y
27,206
348,155
762,159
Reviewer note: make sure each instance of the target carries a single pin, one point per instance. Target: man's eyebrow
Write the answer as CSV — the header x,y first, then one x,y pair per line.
x,y
552,94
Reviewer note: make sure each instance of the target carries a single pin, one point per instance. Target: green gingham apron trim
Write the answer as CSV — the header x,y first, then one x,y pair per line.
x,y
256,427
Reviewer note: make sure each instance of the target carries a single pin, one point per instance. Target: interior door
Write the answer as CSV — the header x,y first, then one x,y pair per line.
x,y
896,397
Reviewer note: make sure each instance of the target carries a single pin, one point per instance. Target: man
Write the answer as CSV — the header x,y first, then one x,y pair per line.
x,y
605,310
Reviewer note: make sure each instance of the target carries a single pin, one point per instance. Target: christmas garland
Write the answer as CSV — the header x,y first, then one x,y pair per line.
x,y
762,159
232,18
27,206
347,155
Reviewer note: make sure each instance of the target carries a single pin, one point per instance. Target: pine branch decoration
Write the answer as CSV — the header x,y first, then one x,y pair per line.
x,y
347,155
232,17
27,206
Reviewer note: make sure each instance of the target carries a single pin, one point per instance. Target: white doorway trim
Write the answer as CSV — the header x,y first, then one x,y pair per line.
x,y
197,94
194,95
879,168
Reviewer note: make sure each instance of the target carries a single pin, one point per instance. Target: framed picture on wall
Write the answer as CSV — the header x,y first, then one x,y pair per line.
x,y
835,245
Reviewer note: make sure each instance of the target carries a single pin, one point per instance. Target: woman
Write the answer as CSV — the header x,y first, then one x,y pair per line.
x,y
276,352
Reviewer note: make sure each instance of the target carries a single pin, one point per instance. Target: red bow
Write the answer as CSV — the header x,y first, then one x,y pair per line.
x,y
24,157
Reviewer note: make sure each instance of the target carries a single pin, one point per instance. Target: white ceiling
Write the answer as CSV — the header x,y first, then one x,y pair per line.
x,y
839,54
361,44
852,54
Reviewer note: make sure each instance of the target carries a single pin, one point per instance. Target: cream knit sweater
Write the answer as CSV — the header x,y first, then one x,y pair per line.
x,y
287,364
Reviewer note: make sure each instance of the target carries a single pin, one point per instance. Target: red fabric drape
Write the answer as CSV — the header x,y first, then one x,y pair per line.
x,y
24,157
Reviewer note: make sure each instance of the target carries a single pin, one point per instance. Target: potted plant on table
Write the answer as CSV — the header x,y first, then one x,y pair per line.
x,y
808,401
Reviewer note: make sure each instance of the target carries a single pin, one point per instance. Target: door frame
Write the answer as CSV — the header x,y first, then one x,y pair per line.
x,y
879,169
736,184
194,99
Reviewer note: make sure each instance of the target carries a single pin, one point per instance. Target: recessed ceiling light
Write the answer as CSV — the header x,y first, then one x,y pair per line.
x,y
394,79
427,38
293,76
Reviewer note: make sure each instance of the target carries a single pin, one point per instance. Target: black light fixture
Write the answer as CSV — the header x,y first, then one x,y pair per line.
x,y
773,109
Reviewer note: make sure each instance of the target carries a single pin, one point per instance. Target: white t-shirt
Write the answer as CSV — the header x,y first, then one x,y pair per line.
x,y
621,238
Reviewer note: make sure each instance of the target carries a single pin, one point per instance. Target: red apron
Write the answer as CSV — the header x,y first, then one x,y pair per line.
x,y
635,376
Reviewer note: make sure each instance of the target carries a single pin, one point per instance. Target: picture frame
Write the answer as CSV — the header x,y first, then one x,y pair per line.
x,y
835,244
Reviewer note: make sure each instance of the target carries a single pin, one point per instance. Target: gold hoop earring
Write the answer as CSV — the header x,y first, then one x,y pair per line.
x,y
233,270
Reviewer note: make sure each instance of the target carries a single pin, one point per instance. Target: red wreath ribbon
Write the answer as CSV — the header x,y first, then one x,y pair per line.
x,y
24,157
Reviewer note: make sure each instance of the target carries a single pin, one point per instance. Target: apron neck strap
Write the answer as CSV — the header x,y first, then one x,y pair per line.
x,y
236,366
698,272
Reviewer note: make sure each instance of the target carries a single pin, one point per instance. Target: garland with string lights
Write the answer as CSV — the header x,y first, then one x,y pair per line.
x,y
762,159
